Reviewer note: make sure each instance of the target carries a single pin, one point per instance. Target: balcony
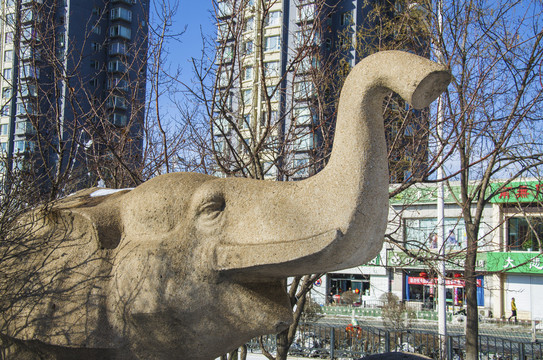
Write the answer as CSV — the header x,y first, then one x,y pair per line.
x,y
116,83
29,16
29,35
28,90
306,13
303,90
116,102
116,66
31,2
24,128
28,71
120,31
23,146
120,13
119,120
28,53
26,109
118,48
225,9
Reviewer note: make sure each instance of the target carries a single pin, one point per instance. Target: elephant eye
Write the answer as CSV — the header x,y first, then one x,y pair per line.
x,y
212,207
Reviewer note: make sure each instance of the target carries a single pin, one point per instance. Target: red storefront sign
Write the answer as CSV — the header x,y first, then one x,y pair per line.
x,y
413,280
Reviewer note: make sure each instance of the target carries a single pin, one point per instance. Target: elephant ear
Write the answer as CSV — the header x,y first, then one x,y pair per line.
x,y
100,208
53,284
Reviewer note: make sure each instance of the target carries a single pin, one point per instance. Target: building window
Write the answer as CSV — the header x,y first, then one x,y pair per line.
x,y
302,115
306,37
27,16
116,66
345,18
117,48
120,13
524,233
97,30
96,46
117,102
224,8
7,74
96,11
118,119
301,166
28,90
223,31
273,93
306,12
304,142
10,19
224,76
4,129
271,43
120,31
6,93
249,24
247,97
271,68
29,71
264,118
93,82
247,47
308,63
303,89
9,37
117,83
227,54
246,121
95,64
4,147
422,233
24,127
26,108
8,55
273,18
22,146
5,110
248,73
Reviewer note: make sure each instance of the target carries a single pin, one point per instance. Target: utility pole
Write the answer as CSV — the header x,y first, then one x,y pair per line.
x,y
442,303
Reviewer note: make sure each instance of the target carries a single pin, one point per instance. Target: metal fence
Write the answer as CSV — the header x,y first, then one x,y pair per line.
x,y
335,342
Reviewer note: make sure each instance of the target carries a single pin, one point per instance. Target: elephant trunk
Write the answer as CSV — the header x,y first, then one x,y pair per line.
x,y
348,200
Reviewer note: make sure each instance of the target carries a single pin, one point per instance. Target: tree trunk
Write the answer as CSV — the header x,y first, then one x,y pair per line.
x,y
243,353
472,314
282,345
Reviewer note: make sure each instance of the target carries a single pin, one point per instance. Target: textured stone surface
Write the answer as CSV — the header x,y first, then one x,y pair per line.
x,y
188,266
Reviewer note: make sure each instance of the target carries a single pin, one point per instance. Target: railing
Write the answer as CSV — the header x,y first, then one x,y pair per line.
x,y
375,311
335,342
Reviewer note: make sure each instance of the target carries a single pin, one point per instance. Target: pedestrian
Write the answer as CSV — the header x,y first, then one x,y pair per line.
x,y
513,310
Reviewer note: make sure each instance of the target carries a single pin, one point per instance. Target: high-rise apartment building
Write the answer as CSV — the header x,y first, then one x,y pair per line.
x,y
280,65
72,88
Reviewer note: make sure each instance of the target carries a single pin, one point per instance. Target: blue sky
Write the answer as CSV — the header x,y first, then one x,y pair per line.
x,y
196,16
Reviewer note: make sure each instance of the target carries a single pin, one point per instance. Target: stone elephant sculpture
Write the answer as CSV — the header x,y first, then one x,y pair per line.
x,y
190,266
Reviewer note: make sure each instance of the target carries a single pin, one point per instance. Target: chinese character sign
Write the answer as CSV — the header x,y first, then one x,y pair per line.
x,y
515,262
514,192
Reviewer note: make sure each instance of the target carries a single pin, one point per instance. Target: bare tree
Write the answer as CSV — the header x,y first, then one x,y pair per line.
x,y
495,52
491,110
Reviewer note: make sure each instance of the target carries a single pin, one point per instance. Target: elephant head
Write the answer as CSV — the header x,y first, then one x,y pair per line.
x,y
190,266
